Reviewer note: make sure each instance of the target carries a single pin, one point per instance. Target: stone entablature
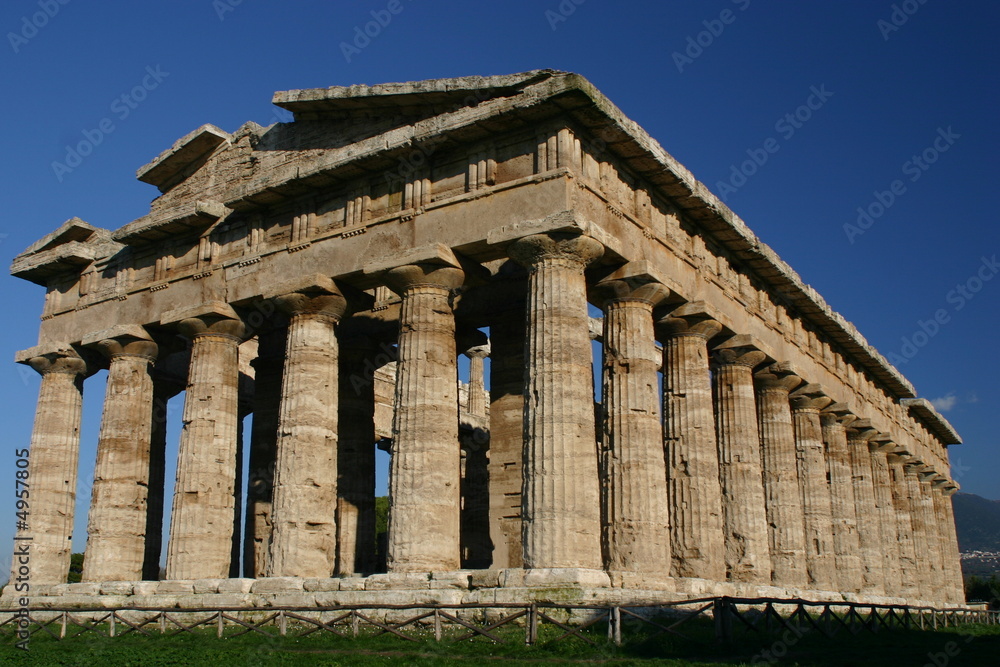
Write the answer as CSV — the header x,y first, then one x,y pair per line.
x,y
428,189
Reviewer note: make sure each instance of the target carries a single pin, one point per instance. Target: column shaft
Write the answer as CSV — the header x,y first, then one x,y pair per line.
x,y
303,542
846,543
201,519
781,481
909,574
53,460
116,526
869,529
955,584
635,518
745,519
886,514
821,566
692,457
424,514
935,548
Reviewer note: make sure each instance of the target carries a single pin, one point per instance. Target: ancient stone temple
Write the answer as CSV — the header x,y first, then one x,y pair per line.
x,y
324,276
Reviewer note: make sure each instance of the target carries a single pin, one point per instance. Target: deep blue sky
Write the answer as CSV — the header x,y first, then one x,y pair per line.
x,y
893,93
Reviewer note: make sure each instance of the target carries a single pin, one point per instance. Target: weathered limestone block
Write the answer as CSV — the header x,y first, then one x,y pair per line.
x,y
692,458
203,512
398,581
635,517
236,585
566,576
460,580
846,545
303,542
908,570
174,587
821,566
359,356
117,587
561,501
748,558
424,512
869,528
52,467
785,523
886,514
278,585
207,585
116,525
268,371
314,585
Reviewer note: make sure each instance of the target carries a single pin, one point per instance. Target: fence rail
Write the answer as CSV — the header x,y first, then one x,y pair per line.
x,y
416,622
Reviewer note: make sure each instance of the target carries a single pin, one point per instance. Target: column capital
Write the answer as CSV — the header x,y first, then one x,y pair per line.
x,y
635,281
467,340
315,295
123,341
478,352
777,376
570,247
691,319
837,413
53,359
861,431
810,398
214,318
739,350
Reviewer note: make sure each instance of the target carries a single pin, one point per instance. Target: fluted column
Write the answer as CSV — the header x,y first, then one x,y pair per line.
x,y
201,518
561,501
359,357
268,370
935,548
116,525
909,574
846,544
635,515
424,512
52,469
477,386
821,566
506,467
955,585
785,523
886,514
304,537
689,439
869,529
748,558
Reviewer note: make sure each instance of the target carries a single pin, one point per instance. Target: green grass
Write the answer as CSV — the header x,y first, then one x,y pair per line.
x,y
970,645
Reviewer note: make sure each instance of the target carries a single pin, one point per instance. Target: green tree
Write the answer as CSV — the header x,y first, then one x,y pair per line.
x,y
75,568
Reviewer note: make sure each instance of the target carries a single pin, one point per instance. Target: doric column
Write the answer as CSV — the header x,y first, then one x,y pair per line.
x,y
935,556
477,386
635,515
886,514
869,530
424,479
116,525
821,566
201,518
748,558
909,574
164,388
52,466
846,545
268,370
304,537
561,501
781,476
507,337
692,456
955,585
359,357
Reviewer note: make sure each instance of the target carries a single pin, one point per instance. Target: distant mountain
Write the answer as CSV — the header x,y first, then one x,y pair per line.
x,y
978,522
